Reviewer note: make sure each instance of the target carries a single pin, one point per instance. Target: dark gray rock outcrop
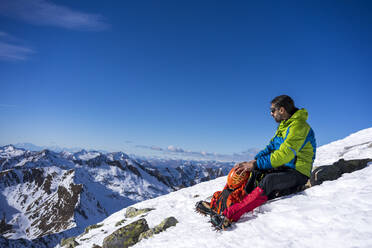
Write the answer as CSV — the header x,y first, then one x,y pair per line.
x,y
69,243
133,212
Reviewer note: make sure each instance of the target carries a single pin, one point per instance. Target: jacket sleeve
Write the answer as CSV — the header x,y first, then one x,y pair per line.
x,y
268,149
288,149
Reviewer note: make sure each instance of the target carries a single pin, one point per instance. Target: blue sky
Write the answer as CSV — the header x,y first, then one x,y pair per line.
x,y
180,77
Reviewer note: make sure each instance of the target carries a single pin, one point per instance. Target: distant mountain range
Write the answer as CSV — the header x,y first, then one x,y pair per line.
x,y
165,156
46,195
55,148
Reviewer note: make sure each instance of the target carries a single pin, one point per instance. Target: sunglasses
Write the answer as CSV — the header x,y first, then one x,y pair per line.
x,y
272,110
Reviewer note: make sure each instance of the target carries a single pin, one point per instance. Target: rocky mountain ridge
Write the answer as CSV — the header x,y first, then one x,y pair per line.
x,y
47,195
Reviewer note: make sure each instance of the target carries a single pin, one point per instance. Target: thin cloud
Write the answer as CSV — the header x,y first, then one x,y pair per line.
x,y
13,52
175,149
241,156
155,148
5,35
42,12
143,146
7,105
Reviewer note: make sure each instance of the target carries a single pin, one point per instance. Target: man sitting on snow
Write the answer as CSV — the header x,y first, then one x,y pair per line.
x,y
284,165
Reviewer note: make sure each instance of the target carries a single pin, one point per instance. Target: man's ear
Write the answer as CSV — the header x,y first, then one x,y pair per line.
x,y
282,110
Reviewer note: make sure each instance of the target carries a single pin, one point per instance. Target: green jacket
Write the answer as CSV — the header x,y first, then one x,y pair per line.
x,y
293,146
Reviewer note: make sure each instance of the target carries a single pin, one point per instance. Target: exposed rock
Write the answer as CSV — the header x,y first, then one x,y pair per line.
x,y
134,170
120,222
146,235
61,211
165,224
334,171
97,161
92,227
47,184
133,212
4,227
34,175
48,210
9,178
116,163
69,243
156,173
127,235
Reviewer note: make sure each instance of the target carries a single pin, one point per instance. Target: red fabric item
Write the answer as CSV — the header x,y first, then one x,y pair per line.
x,y
251,201
236,196
215,197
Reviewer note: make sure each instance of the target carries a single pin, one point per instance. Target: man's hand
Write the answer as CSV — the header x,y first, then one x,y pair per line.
x,y
244,166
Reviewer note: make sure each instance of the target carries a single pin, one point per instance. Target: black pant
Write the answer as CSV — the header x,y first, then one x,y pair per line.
x,y
278,182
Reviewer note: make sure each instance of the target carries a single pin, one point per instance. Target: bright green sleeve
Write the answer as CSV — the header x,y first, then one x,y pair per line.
x,y
296,136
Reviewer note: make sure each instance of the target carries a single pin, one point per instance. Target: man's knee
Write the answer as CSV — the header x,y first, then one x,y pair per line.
x,y
278,184
267,184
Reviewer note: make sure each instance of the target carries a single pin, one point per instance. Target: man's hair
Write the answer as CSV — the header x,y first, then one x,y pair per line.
x,y
286,102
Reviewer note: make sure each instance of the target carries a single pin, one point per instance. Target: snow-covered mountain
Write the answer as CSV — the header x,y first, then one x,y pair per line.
x,y
44,193
54,148
334,214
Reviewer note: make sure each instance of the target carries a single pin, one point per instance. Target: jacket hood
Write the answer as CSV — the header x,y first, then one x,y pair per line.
x,y
299,115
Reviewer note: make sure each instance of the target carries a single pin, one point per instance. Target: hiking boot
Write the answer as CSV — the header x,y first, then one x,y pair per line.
x,y
203,208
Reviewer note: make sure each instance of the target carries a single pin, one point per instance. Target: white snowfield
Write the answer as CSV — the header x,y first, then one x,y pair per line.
x,y
334,214
355,146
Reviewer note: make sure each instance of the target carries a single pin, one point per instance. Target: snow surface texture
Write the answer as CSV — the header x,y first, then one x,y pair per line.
x,y
355,146
333,214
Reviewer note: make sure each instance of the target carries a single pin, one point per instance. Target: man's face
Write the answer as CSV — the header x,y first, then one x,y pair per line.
x,y
277,113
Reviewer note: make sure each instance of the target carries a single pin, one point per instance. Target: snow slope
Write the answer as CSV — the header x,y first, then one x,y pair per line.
x,y
355,146
333,214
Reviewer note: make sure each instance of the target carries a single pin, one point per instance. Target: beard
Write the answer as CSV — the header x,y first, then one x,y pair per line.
x,y
279,118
